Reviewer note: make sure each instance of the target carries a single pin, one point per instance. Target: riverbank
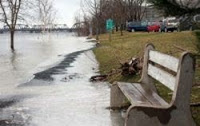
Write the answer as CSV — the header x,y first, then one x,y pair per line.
x,y
123,48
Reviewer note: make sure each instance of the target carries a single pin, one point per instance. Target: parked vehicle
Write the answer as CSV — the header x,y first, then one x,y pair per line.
x,y
169,24
137,26
153,26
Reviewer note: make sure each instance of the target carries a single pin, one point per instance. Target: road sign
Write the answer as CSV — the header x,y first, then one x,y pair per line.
x,y
109,24
109,27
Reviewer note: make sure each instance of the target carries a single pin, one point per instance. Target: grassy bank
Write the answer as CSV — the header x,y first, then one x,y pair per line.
x,y
123,48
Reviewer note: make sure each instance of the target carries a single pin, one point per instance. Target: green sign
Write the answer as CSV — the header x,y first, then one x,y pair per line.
x,y
109,24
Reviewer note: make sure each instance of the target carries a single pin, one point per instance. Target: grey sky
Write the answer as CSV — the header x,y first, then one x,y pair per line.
x,y
66,10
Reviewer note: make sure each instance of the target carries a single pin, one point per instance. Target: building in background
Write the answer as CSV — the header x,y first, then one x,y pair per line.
x,y
152,14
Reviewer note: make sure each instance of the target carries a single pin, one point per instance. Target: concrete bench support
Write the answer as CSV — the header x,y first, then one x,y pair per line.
x,y
118,100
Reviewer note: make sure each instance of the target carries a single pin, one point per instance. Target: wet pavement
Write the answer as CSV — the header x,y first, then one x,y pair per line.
x,y
46,83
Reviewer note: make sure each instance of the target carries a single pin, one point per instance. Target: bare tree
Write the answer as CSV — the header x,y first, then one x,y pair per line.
x,y
94,8
120,14
1,15
10,13
77,24
46,13
82,23
135,9
118,10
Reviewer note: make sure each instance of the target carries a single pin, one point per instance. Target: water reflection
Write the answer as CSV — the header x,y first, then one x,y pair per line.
x,y
13,60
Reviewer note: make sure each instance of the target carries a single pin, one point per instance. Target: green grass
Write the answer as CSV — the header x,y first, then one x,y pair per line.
x,y
123,48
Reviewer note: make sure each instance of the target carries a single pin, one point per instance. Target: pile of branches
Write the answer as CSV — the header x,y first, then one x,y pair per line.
x,y
98,78
130,68
133,67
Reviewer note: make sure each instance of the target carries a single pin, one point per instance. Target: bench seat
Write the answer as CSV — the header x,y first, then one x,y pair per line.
x,y
138,94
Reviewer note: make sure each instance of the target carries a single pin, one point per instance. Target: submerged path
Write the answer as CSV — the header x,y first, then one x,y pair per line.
x,y
61,96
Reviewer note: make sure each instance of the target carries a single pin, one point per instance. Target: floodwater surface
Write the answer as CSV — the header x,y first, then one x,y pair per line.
x,y
45,82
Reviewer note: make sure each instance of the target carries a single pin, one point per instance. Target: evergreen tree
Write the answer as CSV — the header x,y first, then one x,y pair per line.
x,y
175,8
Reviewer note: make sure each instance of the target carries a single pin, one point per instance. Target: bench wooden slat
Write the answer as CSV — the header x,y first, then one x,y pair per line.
x,y
164,60
152,96
162,76
137,94
132,94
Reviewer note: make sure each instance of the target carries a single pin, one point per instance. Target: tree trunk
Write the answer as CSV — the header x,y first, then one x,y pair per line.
x,y
121,29
117,28
12,33
97,33
97,28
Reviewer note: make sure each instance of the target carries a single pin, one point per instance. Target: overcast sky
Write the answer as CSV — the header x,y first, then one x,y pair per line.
x,y
66,10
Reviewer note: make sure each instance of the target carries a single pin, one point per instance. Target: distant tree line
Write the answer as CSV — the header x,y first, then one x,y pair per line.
x,y
94,13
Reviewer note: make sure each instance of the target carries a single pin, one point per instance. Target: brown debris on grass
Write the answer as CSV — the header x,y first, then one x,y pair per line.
x,y
130,68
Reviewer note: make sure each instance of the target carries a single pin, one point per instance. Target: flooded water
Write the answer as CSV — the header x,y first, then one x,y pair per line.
x,y
45,82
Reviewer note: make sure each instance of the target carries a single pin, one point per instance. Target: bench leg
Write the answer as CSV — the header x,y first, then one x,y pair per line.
x,y
147,116
117,98
139,118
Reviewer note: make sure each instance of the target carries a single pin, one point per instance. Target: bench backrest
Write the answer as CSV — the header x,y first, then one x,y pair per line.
x,y
176,74
164,64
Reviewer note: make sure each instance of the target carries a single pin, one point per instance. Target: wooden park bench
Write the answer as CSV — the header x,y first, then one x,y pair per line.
x,y
147,107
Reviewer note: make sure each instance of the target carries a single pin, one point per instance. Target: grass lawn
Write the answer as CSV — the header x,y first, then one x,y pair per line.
x,y
123,48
